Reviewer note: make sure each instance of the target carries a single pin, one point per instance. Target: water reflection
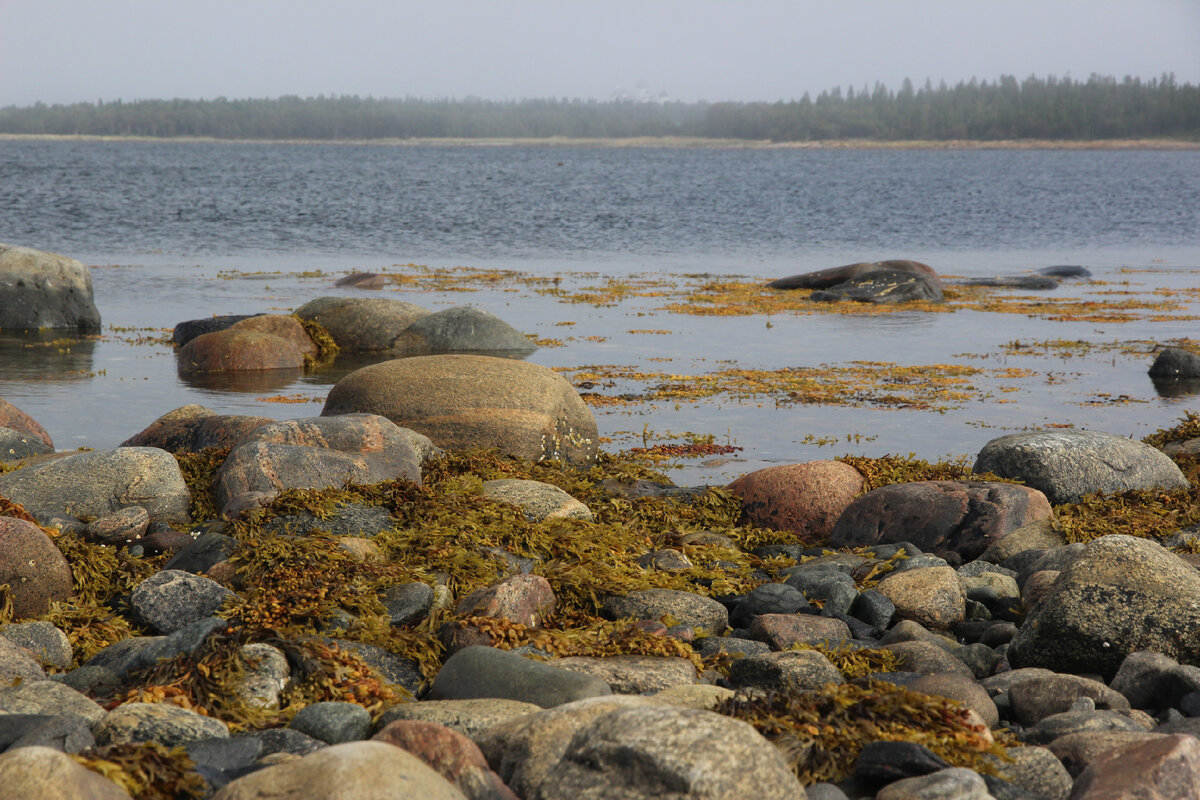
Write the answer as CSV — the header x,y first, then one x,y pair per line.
x,y
253,381
1176,387
46,356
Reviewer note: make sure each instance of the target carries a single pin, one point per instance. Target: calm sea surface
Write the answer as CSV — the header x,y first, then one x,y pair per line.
x,y
176,231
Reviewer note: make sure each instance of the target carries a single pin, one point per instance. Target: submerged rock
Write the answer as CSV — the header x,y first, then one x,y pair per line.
x,y
1175,362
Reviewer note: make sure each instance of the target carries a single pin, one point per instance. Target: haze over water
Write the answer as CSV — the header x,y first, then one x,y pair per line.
x,y
177,231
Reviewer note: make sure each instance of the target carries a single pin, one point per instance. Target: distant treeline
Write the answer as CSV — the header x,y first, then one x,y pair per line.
x,y
1036,108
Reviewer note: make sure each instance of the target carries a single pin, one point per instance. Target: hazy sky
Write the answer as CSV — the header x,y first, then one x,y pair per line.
x,y
63,51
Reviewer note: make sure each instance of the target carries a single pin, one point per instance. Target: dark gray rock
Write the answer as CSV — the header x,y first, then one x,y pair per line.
x,y
883,762
284,740
687,608
769,598
883,286
352,519
408,602
874,609
333,722
202,553
45,290
826,278
711,645
394,669
234,753
462,329
1154,681
488,672
173,599
1066,271
1175,362
1067,464
66,732
835,589
189,329
16,445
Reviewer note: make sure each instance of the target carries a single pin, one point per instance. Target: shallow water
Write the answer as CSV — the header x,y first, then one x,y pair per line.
x,y
180,231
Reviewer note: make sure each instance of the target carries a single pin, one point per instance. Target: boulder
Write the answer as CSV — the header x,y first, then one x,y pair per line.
x,y
49,774
635,748
235,349
162,723
455,757
321,452
349,771
361,280
825,278
285,326
17,420
187,330
476,672
524,599
1120,595
362,324
537,500
1165,767
469,717
686,608
787,671
627,674
942,517
97,483
806,499
1066,271
462,329
18,666
1175,362
15,446
34,569
1027,282
190,428
333,722
45,290
47,642
883,286
173,599
466,401
1067,464
932,596
49,697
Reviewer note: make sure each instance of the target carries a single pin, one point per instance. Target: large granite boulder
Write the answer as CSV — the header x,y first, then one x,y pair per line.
x,y
462,329
97,483
1067,464
321,452
15,419
470,401
255,343
1120,595
826,278
362,324
53,775
944,517
34,569
44,290
193,427
806,499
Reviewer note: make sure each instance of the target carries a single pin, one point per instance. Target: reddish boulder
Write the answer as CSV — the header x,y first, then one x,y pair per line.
x,y
1166,767
16,419
285,327
806,499
781,631
193,427
527,599
452,755
34,569
235,349
957,520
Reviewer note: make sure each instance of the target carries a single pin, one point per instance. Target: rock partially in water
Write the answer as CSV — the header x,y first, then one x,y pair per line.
x,y
1028,282
883,286
15,419
187,330
1175,362
361,280
1066,271
362,324
236,349
826,278
45,290
463,329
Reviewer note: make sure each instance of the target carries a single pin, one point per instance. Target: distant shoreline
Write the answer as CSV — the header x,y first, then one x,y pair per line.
x,y
659,142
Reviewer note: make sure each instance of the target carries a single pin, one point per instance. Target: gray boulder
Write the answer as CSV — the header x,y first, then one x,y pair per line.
x,y
173,599
468,401
362,324
1175,362
15,445
1120,595
462,329
162,723
883,286
1067,464
100,482
825,278
44,290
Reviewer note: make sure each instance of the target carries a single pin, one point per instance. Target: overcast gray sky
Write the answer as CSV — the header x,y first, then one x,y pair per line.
x,y
63,51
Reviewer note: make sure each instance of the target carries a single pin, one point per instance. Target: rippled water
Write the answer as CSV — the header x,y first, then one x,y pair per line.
x,y
176,231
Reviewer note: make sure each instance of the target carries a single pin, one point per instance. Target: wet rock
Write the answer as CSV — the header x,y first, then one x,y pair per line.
x,y
686,608
455,757
525,599
34,569
636,749
1122,594
320,452
826,278
48,697
187,330
45,290
467,401
1067,464
1175,362
781,631
488,672
788,671
462,329
286,327
191,428
883,286
237,349
333,722
162,723
362,324
361,280
343,772
470,717
15,445
100,482
51,774
537,500
1027,282
171,600
1167,767
806,499
46,642
65,732
941,517
931,596
1066,271
633,674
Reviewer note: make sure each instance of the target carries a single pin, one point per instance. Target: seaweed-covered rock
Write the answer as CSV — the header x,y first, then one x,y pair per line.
x,y
362,324
1067,464
806,499
34,569
44,290
883,286
101,482
941,517
468,401
462,329
320,452
525,599
1121,594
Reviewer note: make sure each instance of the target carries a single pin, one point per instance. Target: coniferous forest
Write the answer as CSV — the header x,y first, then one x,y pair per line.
x,y
1007,109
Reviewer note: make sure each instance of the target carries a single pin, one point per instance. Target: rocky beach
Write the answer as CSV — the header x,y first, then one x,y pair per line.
x,y
443,584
